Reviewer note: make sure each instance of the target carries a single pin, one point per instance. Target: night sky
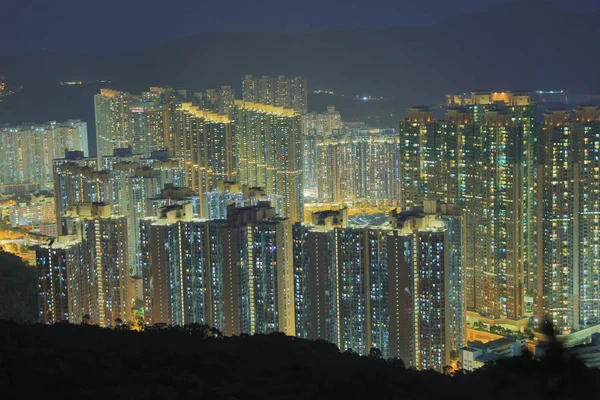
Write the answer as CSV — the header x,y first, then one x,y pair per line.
x,y
113,25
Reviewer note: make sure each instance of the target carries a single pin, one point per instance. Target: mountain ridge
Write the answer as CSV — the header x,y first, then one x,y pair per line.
x,y
525,44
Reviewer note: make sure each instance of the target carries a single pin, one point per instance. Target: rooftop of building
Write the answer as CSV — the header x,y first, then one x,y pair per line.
x,y
209,116
266,108
487,357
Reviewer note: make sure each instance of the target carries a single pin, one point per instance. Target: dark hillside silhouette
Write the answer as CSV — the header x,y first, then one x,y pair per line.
x,y
69,361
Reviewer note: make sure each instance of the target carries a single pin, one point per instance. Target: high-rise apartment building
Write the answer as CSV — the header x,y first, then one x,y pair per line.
x,y
226,99
206,143
250,89
358,167
397,287
131,186
325,124
269,152
569,211
300,95
482,158
99,287
425,280
256,271
281,91
233,274
76,180
227,192
172,195
146,123
55,261
175,267
113,130
28,150
311,160
266,91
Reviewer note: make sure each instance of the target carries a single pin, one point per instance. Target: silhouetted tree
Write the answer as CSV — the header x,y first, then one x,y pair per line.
x,y
375,353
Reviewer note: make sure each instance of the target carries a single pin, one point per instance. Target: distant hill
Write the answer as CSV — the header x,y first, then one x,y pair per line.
x,y
526,44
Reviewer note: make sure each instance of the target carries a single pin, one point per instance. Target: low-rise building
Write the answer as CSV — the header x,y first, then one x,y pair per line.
x,y
476,355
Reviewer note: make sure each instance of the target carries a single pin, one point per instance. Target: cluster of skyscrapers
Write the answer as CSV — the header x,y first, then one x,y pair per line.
x,y
396,286
194,207
528,192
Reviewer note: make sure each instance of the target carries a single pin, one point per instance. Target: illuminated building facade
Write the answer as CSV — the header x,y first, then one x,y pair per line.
x,y
28,150
174,267
112,121
281,91
328,123
358,167
396,287
131,186
481,158
55,261
570,213
146,122
269,153
228,192
250,89
99,287
172,195
426,303
207,145
300,95
39,211
233,274
311,160
76,180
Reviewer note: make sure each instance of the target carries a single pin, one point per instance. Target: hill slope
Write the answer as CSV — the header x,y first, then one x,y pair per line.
x,y
69,361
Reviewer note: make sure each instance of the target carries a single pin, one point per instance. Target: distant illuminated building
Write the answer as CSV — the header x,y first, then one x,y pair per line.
x,y
250,89
300,95
112,110
324,124
207,144
172,195
226,99
311,160
570,209
266,91
415,154
40,210
281,91
76,180
28,150
227,192
55,261
146,125
358,167
99,287
131,186
269,152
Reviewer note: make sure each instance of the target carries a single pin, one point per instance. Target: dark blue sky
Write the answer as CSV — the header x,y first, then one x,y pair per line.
x,y
109,25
